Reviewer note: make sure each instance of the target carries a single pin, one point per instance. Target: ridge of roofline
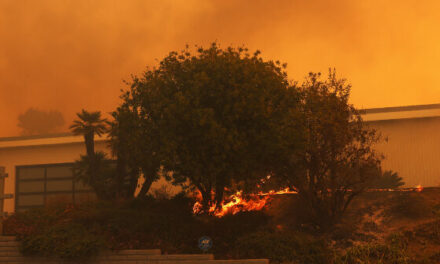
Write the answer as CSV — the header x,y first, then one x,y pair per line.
x,y
399,108
15,138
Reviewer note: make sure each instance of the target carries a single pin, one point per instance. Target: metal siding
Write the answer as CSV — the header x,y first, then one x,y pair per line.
x,y
413,149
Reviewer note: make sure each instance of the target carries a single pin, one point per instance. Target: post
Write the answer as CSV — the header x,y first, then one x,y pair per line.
x,y
3,175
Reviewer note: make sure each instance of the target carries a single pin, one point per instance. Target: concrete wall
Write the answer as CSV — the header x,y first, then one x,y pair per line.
x,y
412,150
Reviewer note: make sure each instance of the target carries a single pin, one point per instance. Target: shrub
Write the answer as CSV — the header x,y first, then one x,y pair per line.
x,y
282,247
78,232
65,241
429,231
409,205
388,180
393,251
225,231
51,232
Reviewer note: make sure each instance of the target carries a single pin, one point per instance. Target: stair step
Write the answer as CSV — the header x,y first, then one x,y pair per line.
x,y
138,252
176,257
8,248
23,260
181,257
7,259
9,243
8,238
11,253
235,261
123,257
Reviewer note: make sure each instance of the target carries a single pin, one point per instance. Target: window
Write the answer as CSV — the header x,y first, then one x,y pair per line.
x,y
38,185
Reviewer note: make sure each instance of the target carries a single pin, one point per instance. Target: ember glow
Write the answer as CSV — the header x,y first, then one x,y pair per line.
x,y
238,203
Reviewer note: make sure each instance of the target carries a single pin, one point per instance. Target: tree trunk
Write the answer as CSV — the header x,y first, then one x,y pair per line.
x,y
206,199
146,185
219,191
90,144
121,172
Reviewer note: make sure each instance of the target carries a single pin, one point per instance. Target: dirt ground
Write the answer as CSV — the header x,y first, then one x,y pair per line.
x,y
375,216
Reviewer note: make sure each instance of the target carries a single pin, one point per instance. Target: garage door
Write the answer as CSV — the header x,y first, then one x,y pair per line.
x,y
40,185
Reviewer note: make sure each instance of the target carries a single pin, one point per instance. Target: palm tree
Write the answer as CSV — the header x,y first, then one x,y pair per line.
x,y
89,124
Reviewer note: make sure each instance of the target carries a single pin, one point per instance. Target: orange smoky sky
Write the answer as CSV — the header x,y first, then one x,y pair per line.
x,y
67,55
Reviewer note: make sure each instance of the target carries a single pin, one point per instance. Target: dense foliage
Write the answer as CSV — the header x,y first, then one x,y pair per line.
x,y
338,161
221,120
211,118
38,122
387,180
82,231
75,232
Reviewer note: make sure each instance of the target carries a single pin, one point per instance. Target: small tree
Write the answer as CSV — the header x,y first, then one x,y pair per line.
x,y
93,168
88,124
388,180
132,145
38,122
338,161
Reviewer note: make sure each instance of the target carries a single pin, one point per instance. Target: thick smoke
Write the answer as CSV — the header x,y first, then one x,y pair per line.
x,y
70,54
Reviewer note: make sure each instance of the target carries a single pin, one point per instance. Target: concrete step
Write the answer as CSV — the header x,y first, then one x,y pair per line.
x,y
8,238
138,252
178,257
7,259
235,261
12,253
122,257
41,261
175,257
9,243
8,248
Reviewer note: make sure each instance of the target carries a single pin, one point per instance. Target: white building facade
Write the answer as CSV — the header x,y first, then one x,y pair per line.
x,y
39,168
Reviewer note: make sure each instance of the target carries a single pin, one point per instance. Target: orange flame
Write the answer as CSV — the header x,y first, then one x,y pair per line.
x,y
237,203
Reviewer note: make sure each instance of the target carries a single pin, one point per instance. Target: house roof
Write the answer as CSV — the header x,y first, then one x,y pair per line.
x,y
401,112
369,115
44,140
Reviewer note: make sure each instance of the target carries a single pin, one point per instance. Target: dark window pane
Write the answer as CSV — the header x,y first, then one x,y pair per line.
x,y
59,172
58,198
59,185
85,197
31,173
31,186
34,199
80,186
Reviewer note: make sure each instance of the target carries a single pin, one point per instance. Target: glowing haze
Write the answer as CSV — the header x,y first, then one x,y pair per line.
x,y
70,54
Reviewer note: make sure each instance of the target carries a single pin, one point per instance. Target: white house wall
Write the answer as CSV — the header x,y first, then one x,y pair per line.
x,y
33,155
412,150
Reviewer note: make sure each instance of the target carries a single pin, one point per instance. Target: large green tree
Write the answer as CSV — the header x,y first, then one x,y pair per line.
x,y
209,116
